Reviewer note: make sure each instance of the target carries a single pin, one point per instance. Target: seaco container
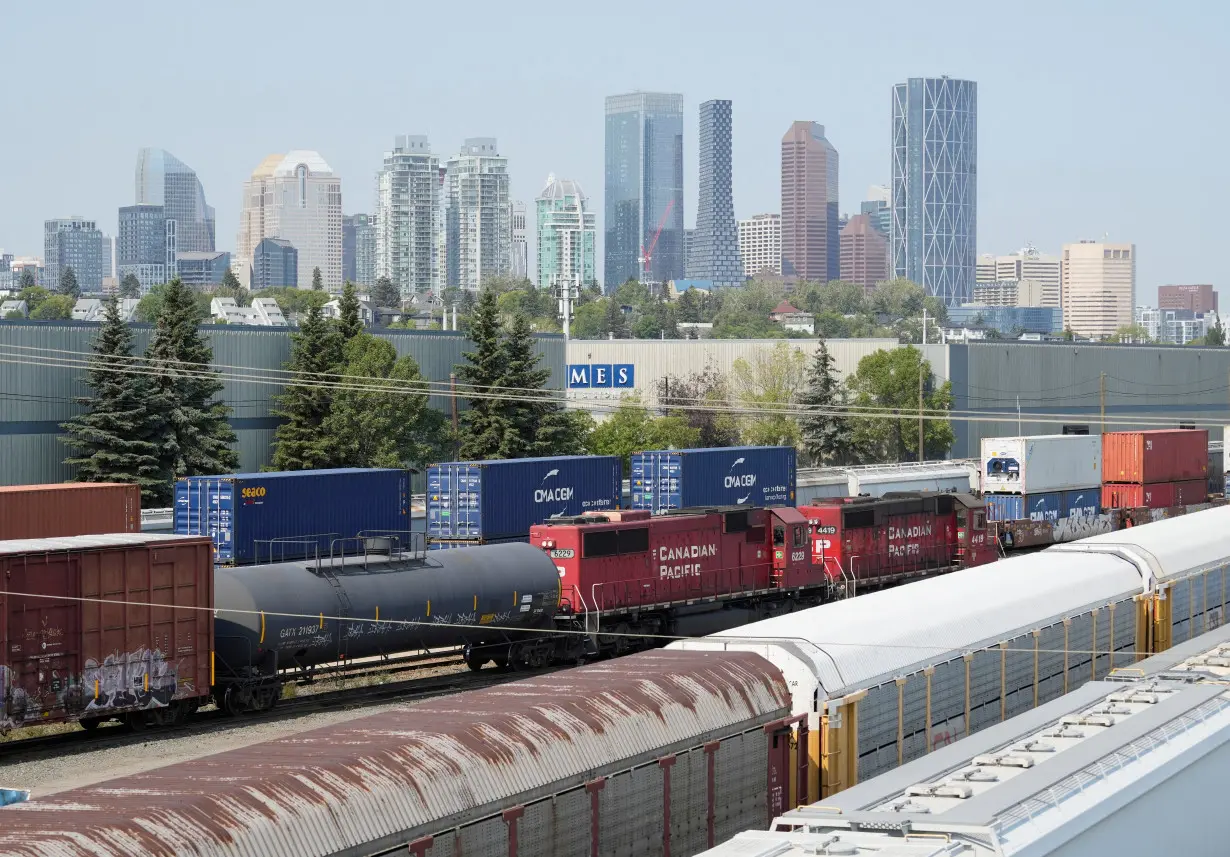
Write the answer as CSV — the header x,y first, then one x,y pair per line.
x,y
1024,507
70,509
1165,455
731,476
1156,495
270,517
489,500
1040,464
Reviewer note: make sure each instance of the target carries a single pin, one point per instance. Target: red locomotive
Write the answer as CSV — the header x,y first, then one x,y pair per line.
x,y
864,541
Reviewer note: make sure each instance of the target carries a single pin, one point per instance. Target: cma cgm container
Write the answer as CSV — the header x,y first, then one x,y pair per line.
x,y
71,509
1041,464
1165,455
1158,495
79,641
487,500
731,476
259,517
1049,506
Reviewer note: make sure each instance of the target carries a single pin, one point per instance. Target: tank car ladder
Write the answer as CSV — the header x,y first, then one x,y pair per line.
x,y
345,609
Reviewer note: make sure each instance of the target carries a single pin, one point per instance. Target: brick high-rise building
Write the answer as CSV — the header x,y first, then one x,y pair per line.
x,y
1199,298
864,252
811,247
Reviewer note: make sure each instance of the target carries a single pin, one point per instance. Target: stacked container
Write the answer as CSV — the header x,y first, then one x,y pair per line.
x,y
1041,478
760,476
270,517
1155,469
493,502
70,509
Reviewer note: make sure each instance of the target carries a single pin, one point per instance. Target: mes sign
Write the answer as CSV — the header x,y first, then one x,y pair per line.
x,y
585,376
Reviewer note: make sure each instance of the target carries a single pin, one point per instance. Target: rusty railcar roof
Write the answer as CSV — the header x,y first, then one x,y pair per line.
x,y
374,780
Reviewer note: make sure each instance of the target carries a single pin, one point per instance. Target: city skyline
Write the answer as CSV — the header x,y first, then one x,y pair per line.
x,y
1047,182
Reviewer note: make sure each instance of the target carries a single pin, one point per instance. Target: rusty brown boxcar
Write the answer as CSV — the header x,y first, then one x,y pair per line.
x,y
104,626
69,509
663,752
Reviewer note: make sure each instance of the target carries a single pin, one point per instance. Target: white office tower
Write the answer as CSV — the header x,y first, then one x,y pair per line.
x,y
407,214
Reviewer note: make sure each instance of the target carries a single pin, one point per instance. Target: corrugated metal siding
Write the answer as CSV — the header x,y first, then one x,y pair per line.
x,y
654,359
379,781
1158,382
35,397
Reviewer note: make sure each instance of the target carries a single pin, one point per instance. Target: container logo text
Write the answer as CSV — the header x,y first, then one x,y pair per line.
x,y
258,491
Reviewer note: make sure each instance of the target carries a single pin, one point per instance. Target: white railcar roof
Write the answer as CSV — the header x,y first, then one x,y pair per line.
x,y
863,641
1175,547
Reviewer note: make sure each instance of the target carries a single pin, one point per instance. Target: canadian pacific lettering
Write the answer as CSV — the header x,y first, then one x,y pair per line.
x,y
902,541
670,568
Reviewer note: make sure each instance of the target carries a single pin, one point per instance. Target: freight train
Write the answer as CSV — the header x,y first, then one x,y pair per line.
x,y
678,749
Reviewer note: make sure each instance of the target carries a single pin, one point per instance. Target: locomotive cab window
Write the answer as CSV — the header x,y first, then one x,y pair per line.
x,y
800,537
980,520
779,535
736,522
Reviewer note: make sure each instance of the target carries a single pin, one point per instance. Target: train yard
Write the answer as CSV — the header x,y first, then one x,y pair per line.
x,y
810,646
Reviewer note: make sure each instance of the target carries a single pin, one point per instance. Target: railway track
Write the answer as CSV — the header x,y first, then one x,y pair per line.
x,y
213,720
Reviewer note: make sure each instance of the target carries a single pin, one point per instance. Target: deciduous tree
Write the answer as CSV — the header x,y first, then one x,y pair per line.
x,y
766,385
691,398
887,382
632,428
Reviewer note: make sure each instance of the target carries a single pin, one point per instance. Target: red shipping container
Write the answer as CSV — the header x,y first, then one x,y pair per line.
x,y
1165,455
69,509
1157,495
102,626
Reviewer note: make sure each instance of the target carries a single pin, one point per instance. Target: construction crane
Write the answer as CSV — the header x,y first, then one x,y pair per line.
x,y
647,255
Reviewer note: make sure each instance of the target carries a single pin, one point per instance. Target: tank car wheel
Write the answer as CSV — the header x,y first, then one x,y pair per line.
x,y
475,664
89,724
231,702
268,699
136,720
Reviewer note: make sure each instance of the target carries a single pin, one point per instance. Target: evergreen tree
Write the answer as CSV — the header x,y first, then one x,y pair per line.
x,y
68,282
27,279
385,294
825,435
350,324
532,428
485,423
130,286
116,438
230,281
614,324
317,283
299,443
201,436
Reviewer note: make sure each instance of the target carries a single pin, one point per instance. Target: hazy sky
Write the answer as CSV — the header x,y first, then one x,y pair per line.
x,y
1095,118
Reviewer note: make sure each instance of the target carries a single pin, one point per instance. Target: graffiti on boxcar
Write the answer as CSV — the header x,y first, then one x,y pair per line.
x,y
1081,527
136,680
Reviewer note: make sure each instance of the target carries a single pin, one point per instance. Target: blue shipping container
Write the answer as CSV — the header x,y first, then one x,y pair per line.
x,y
308,510
472,543
732,476
503,499
1082,503
1023,507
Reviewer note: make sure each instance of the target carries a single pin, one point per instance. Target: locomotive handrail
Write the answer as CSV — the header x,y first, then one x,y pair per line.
x,y
715,582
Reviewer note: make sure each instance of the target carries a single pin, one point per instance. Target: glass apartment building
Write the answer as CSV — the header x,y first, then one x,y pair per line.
x,y
407,214
146,245
714,251
479,215
644,187
567,235
76,243
935,185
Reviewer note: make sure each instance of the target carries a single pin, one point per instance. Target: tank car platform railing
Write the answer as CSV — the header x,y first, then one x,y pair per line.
x,y
399,544
282,543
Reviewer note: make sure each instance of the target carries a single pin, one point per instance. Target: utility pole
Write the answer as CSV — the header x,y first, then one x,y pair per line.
x,y
921,440
452,387
1102,398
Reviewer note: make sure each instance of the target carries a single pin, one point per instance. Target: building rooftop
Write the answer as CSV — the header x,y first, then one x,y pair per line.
x,y
312,160
561,188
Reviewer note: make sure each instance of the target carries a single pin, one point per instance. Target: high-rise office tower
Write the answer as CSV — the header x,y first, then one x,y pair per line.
x,y
864,252
1039,273
520,244
935,185
479,218
567,236
811,249
878,206
644,188
275,264
1198,298
164,180
349,228
408,194
715,246
1099,287
73,242
365,250
760,244
296,197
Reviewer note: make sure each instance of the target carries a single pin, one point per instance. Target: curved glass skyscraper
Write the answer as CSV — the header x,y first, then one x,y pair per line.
x,y
164,180
935,185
